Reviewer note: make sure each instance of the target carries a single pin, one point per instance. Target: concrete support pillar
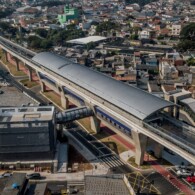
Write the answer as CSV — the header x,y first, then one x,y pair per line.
x,y
17,64
158,149
140,142
43,86
64,101
95,124
176,112
30,74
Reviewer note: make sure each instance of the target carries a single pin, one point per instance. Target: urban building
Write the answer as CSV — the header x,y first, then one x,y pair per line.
x,y
69,14
27,137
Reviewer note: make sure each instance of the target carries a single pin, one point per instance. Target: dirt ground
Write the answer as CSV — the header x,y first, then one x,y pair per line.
x,y
75,157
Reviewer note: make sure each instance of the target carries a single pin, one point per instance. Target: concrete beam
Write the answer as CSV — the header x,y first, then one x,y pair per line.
x,y
158,149
95,124
140,142
17,64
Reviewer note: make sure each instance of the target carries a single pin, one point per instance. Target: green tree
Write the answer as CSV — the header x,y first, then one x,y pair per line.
x,y
34,42
107,26
188,32
41,32
46,44
187,37
191,62
90,45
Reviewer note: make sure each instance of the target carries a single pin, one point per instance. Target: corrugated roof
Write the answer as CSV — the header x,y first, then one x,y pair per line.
x,y
131,99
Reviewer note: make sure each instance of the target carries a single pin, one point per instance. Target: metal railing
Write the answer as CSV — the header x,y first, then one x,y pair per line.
x,y
178,141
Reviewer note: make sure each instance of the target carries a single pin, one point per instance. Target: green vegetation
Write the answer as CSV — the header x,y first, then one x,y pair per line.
x,y
6,12
132,162
29,84
46,39
107,26
191,62
104,137
110,142
11,67
187,37
53,97
6,27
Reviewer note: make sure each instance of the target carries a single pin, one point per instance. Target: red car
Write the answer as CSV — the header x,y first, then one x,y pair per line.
x,y
190,179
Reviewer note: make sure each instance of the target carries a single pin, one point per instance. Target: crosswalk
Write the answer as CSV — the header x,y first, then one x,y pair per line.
x,y
112,161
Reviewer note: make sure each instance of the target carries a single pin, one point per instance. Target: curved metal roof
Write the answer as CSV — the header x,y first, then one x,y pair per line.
x,y
139,103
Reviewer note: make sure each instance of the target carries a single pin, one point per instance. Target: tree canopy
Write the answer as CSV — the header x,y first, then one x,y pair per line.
x,y
5,13
187,37
106,26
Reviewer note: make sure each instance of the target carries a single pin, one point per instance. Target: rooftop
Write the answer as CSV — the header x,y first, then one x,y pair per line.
x,y
21,114
112,184
87,40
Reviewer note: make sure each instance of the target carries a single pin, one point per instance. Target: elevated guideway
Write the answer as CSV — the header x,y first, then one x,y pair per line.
x,y
124,108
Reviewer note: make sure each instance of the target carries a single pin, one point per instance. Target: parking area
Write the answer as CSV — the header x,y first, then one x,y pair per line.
x,y
11,96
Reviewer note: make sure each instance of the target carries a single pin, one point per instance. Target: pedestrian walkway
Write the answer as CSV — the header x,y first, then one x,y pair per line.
x,y
126,155
112,161
160,169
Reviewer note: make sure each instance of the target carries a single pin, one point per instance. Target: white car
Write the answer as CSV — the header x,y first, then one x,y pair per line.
x,y
184,173
7,174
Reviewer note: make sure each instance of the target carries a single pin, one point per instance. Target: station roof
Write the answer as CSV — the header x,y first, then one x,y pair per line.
x,y
139,103
87,40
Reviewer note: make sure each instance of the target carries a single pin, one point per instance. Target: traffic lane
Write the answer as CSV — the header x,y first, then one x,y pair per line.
x,y
162,184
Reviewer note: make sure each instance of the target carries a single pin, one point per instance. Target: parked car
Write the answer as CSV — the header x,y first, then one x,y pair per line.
x,y
184,167
184,173
6,174
33,176
190,179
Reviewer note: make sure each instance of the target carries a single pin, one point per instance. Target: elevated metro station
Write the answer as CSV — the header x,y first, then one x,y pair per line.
x,y
134,114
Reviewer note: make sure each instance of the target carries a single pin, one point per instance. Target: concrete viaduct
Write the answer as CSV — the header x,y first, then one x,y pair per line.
x,y
130,112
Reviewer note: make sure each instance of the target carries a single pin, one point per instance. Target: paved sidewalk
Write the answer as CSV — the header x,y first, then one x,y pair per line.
x,y
126,155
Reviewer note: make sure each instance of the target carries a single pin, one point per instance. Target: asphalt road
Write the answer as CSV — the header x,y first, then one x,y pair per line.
x,y
19,86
